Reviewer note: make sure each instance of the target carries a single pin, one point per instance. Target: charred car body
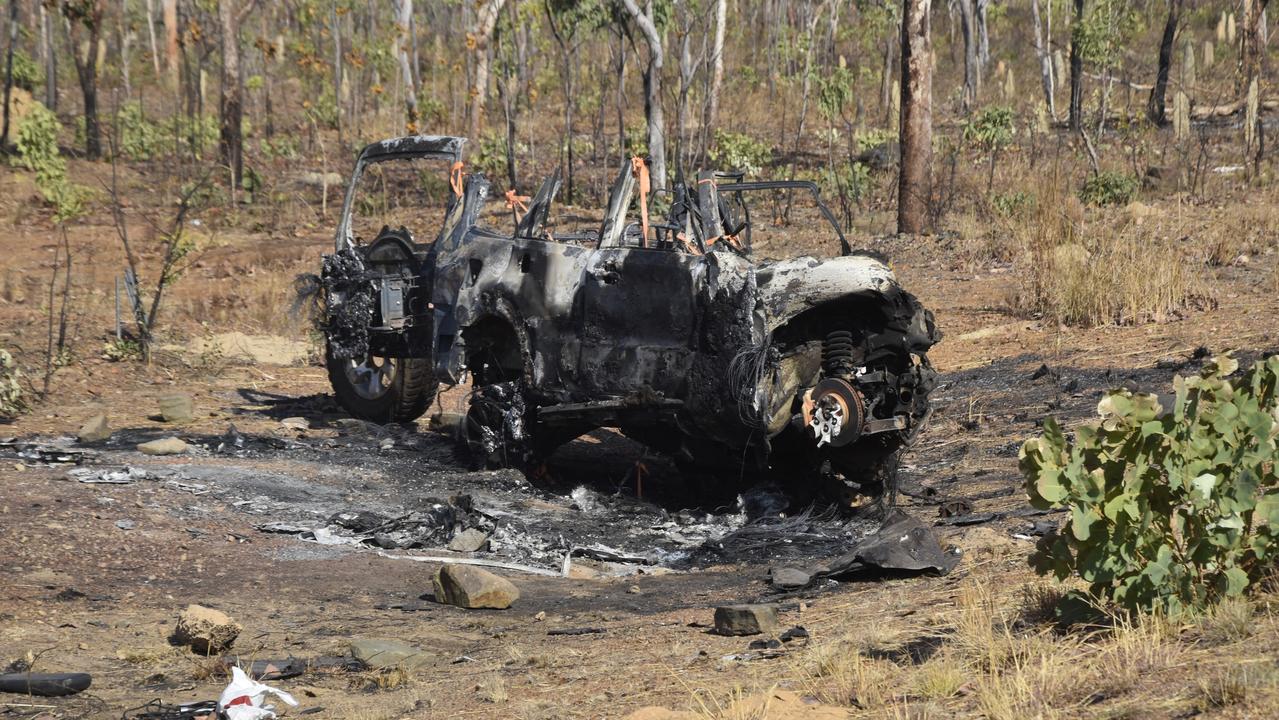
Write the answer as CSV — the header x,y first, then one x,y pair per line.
x,y
802,370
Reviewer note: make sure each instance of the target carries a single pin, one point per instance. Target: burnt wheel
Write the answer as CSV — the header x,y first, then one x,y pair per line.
x,y
382,389
495,433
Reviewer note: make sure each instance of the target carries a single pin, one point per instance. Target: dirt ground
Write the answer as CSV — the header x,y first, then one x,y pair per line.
x,y
80,593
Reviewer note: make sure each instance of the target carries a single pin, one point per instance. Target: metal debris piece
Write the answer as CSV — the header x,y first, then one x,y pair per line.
x,y
902,544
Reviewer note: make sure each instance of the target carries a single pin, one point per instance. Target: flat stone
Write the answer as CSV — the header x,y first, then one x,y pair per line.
x,y
745,619
296,423
789,577
94,430
164,446
384,654
177,408
469,540
467,586
205,630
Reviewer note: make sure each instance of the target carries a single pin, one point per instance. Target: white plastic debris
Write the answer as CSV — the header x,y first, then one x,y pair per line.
x,y
243,699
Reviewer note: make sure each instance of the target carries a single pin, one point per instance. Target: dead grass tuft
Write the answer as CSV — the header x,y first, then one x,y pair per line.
x,y
1119,268
1229,621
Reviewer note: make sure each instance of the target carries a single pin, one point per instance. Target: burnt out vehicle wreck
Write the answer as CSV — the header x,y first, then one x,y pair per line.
x,y
812,373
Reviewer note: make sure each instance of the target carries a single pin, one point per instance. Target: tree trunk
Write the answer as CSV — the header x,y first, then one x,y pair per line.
x,y
972,78
50,60
717,64
170,8
1156,106
486,18
231,142
1045,61
405,22
916,124
983,36
1253,57
8,70
652,91
1076,71
87,18
155,52
886,77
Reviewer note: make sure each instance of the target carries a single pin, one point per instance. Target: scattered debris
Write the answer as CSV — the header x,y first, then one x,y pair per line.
x,y
901,545
205,630
45,684
473,588
109,476
160,710
49,454
176,408
125,524
268,669
94,430
164,446
745,619
245,699
799,632
954,508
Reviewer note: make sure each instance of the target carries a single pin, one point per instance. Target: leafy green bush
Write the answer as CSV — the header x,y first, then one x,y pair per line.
x,y
1014,203
1170,510
737,151
990,128
11,402
140,139
26,74
1109,188
38,152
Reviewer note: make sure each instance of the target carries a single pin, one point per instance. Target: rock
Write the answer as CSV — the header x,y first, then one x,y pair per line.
x,y
745,619
467,586
95,429
789,577
177,408
164,446
383,654
125,524
469,540
205,630
296,423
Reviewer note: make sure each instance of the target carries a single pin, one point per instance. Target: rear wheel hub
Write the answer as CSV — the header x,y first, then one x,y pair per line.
x,y
837,413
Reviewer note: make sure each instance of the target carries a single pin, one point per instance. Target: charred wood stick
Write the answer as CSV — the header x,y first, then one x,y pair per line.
x,y
45,684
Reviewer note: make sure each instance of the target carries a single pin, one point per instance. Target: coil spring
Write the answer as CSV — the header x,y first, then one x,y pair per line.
x,y
839,357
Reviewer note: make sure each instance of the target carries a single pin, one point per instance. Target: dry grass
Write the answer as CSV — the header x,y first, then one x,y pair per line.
x,y
998,655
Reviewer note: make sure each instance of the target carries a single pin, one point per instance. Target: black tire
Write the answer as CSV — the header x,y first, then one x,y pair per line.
x,y
409,391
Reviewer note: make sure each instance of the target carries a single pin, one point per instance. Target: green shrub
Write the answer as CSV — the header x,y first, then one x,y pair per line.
x,y
38,152
737,151
1109,188
1170,509
140,139
1014,203
26,74
11,401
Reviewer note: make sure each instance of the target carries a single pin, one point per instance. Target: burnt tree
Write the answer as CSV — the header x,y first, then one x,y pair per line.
x,y
1156,107
231,107
84,28
916,122
1076,69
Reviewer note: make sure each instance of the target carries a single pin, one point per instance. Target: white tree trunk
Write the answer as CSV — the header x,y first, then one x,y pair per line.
x,y
404,22
653,87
